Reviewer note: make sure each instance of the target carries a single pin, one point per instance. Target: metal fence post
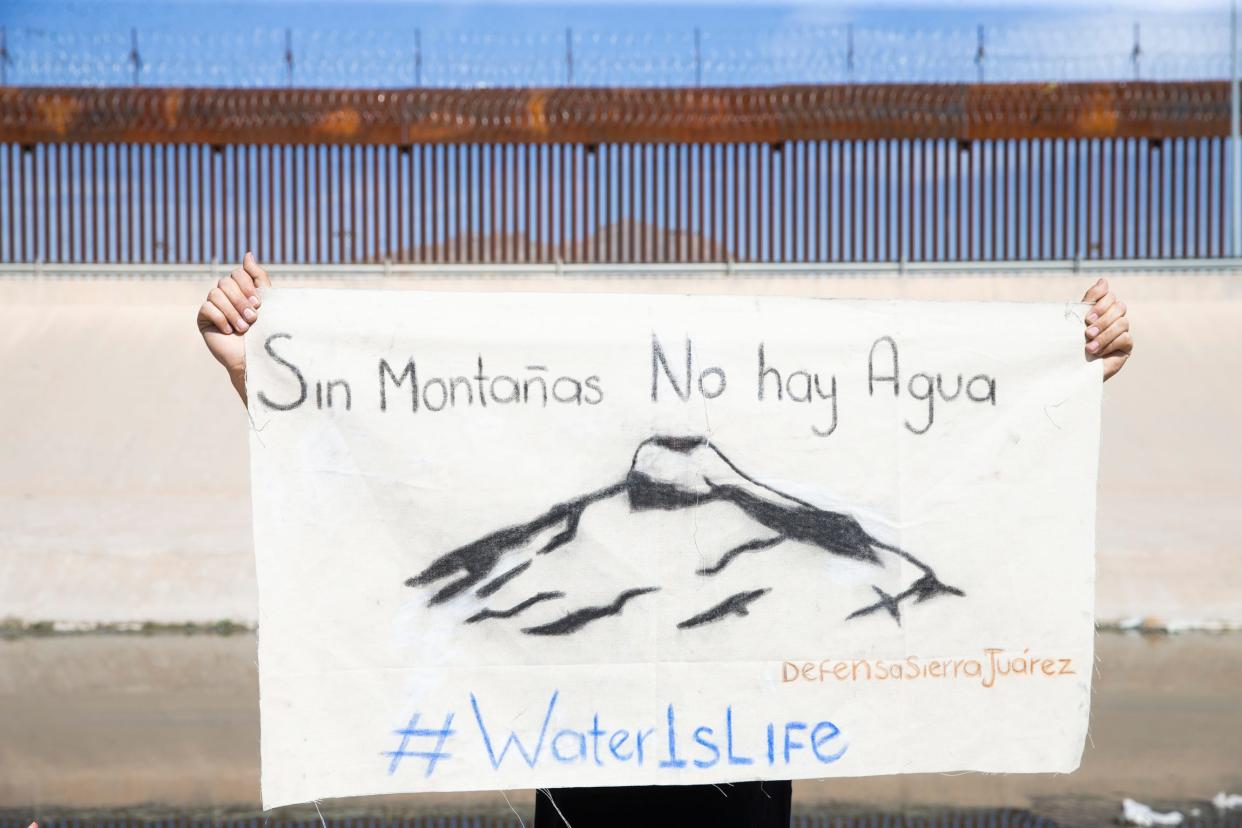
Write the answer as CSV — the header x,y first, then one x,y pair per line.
x,y
979,53
4,56
849,52
1235,237
135,58
698,58
418,57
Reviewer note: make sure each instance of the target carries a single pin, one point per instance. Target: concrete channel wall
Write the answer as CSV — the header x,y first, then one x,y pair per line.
x,y
124,471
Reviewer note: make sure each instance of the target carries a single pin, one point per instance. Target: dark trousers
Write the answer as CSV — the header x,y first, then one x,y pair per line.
x,y
739,805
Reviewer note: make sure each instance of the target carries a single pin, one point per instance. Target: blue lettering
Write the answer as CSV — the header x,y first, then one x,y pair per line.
x,y
595,734
572,734
790,744
513,740
412,730
771,746
672,761
639,737
700,736
818,741
733,760
615,745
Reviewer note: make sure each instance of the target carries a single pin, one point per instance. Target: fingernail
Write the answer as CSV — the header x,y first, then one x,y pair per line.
x,y
241,325
1093,332
1091,317
249,314
1093,346
254,300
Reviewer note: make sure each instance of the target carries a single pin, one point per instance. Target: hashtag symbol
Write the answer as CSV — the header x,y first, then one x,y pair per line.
x,y
412,730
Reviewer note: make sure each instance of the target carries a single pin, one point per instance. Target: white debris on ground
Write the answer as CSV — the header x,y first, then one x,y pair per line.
x,y
1176,626
91,626
10,627
1227,802
1136,813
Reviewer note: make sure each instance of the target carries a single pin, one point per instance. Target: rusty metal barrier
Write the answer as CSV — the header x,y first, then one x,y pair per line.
x,y
858,173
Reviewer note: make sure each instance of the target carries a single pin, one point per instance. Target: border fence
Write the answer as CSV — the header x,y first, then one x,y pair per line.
x,y
850,173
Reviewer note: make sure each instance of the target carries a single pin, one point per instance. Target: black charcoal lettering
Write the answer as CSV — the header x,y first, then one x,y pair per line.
x,y
658,361
989,384
481,378
592,385
463,382
940,388
515,390
439,383
349,397
831,395
263,398
924,392
410,371
574,397
463,391
799,386
873,378
764,371
719,374
543,386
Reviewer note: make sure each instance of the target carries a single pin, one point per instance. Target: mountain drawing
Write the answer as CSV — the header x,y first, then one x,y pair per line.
x,y
671,473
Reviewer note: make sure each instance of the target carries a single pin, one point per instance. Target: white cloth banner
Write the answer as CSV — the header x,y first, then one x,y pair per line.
x,y
537,540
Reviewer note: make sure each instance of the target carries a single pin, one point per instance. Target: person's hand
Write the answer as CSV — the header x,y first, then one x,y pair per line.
x,y
231,307
1107,328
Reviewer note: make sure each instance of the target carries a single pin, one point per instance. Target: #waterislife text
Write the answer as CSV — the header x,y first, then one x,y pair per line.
x,y
668,744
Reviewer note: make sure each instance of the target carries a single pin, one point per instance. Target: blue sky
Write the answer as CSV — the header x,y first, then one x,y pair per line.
x,y
646,43
638,15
